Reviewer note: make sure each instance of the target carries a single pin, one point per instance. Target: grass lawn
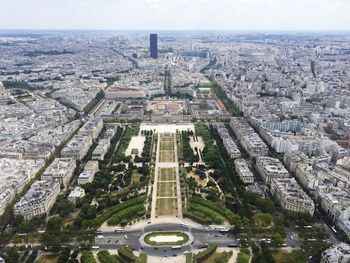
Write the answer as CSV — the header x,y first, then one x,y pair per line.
x,y
166,189
166,148
166,145
48,259
213,257
167,174
135,177
166,156
166,207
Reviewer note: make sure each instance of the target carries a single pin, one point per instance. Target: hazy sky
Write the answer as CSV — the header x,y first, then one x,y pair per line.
x,y
176,14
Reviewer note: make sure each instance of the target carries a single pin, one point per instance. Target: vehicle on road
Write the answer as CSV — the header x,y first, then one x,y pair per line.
x,y
176,247
333,229
203,246
184,225
126,237
119,230
100,236
233,245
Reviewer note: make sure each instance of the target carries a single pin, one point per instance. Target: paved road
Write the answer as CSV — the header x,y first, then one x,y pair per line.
x,y
201,236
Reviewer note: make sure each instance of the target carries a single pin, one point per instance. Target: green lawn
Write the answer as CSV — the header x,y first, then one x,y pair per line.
x,y
166,189
167,174
166,207
166,156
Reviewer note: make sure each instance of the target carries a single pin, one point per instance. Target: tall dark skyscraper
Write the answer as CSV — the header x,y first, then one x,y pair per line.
x,y
154,45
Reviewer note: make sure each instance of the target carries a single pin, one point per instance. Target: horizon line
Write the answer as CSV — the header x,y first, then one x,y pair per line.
x,y
180,30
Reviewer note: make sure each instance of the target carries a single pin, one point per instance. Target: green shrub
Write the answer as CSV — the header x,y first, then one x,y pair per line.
x,y
87,257
126,214
126,255
105,257
204,255
116,209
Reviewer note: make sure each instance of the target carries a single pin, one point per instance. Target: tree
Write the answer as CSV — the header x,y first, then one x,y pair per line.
x,y
54,224
266,252
65,207
53,236
262,220
277,239
12,256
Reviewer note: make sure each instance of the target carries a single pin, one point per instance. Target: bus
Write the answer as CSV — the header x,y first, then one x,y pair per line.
x,y
95,247
176,247
118,230
333,229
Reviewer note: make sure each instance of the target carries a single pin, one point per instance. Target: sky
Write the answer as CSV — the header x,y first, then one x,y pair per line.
x,y
279,15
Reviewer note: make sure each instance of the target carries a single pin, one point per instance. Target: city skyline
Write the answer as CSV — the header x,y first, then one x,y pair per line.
x,y
236,15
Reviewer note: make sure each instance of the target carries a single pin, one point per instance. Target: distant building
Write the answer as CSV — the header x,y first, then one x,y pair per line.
x,y
154,45
116,92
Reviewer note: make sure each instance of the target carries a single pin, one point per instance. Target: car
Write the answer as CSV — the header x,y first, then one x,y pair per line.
x,y
174,255
203,246
108,241
116,241
233,245
126,237
148,222
141,247
284,245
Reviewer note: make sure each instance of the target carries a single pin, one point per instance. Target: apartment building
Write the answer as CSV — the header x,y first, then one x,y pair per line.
x,y
338,253
271,168
38,200
291,197
243,171
101,150
88,174
61,169
77,147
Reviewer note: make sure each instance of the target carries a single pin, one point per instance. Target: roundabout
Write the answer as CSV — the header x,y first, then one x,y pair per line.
x,y
162,238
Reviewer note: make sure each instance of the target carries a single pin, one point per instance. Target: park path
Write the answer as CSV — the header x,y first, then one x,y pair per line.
x,y
159,165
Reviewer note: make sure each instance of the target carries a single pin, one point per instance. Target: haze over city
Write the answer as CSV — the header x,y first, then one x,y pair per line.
x,y
285,15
